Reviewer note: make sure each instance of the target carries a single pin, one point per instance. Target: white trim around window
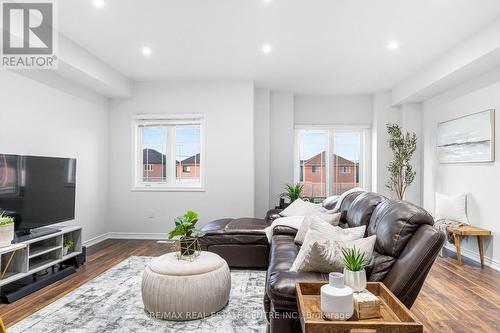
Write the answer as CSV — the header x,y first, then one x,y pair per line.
x,y
167,180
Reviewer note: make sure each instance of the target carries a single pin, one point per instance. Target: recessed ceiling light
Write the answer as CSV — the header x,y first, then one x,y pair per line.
x,y
266,48
99,3
393,45
146,51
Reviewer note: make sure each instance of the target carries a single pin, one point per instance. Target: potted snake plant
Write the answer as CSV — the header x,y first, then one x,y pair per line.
x,y
6,230
293,192
354,269
187,233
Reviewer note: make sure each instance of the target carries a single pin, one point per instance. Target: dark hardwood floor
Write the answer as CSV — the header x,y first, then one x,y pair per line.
x,y
453,299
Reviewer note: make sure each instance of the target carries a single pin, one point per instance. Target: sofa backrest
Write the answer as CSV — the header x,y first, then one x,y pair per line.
x,y
357,208
346,205
361,209
394,223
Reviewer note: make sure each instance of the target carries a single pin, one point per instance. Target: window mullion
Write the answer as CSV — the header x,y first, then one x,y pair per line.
x,y
329,161
171,163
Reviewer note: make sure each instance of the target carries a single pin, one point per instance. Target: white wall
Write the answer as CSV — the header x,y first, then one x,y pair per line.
x,y
411,121
383,113
480,180
337,110
282,144
228,109
262,150
36,119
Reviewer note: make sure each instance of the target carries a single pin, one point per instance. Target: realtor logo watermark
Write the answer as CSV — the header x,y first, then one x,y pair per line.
x,y
29,35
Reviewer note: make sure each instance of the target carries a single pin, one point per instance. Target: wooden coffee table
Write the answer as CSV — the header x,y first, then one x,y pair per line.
x,y
395,317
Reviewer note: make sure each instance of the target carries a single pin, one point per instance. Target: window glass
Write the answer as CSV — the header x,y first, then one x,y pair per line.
x,y
187,147
154,159
346,159
324,175
312,155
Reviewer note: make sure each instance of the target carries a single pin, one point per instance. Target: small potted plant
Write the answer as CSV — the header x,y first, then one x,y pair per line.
x,y
189,235
293,192
67,246
6,230
354,269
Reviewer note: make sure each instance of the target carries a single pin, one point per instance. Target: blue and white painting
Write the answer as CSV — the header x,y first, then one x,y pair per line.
x,y
467,139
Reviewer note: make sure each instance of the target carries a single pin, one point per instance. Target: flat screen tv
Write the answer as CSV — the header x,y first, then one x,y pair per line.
x,y
37,191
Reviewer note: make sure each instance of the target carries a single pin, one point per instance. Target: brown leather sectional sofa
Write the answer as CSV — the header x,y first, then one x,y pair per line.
x,y
405,250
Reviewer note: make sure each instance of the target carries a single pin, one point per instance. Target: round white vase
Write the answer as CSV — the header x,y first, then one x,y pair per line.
x,y
355,280
336,299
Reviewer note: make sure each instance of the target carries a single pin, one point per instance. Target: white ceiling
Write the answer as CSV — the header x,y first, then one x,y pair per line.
x,y
319,46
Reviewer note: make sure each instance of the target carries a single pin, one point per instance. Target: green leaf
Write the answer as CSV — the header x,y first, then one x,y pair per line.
x,y
354,260
175,232
190,215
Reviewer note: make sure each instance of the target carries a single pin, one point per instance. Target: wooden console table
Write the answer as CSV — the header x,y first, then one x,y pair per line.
x,y
468,230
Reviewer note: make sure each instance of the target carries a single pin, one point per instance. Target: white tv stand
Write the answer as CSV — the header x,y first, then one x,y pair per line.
x,y
34,255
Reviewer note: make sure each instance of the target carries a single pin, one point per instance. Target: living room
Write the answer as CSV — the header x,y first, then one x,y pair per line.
x,y
235,166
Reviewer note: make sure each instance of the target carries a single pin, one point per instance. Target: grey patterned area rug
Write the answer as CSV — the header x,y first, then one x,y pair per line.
x,y
112,303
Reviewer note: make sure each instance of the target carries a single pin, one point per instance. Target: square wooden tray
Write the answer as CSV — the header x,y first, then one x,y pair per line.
x,y
395,317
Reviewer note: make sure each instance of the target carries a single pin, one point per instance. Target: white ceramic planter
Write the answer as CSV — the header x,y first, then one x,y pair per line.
x,y
355,280
6,233
336,299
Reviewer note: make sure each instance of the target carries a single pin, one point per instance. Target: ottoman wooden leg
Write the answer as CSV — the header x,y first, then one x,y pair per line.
x,y
457,246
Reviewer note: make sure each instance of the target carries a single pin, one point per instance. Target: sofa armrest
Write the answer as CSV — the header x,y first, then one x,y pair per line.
x,y
284,230
273,214
407,275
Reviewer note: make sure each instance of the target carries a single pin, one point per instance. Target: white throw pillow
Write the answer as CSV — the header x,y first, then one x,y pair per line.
x,y
332,219
345,194
451,207
322,231
327,256
297,208
288,221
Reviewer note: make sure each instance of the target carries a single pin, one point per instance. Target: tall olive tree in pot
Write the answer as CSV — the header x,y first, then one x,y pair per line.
x,y
401,173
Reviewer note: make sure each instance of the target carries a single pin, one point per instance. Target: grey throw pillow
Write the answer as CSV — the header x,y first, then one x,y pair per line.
x,y
326,256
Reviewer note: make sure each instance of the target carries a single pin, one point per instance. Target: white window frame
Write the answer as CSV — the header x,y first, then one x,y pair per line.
x,y
140,120
364,130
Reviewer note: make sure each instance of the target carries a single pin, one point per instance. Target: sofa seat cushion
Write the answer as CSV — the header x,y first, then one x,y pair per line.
x,y
241,242
236,226
280,286
235,231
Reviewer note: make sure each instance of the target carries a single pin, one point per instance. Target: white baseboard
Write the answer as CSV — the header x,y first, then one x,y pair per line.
x,y
137,235
495,264
124,235
95,240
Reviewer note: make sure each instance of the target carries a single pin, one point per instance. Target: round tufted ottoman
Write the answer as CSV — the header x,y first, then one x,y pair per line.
x,y
175,289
